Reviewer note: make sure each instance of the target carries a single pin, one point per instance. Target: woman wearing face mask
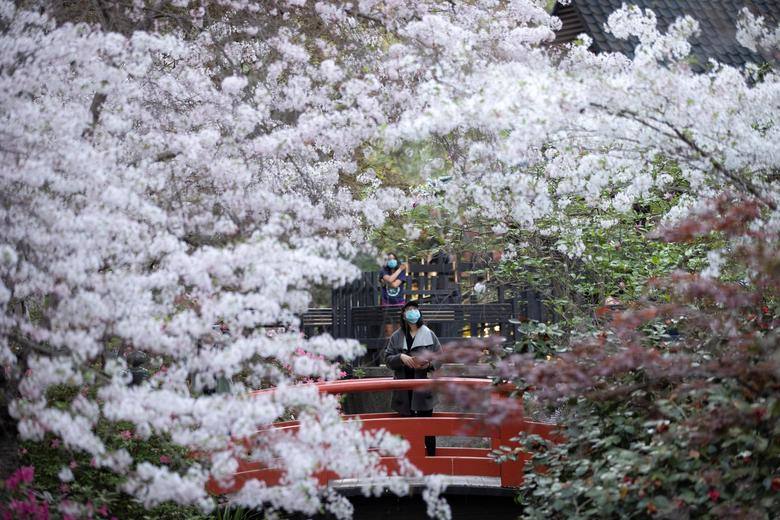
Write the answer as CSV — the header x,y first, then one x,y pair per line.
x,y
403,354
393,279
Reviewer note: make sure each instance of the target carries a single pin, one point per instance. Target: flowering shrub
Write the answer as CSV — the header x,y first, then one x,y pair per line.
x,y
674,426
19,501
72,484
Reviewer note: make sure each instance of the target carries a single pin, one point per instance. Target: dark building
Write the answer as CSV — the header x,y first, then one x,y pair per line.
x,y
717,23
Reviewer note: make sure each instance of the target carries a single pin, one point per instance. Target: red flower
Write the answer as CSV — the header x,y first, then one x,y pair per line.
x,y
165,459
714,494
776,484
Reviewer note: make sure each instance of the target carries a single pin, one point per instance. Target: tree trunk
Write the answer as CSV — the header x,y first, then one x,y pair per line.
x,y
9,438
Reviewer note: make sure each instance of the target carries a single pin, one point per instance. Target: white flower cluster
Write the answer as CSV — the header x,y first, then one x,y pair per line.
x,y
528,133
753,33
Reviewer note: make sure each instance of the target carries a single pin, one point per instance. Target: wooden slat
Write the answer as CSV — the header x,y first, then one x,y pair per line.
x,y
317,317
469,313
433,292
381,316
462,267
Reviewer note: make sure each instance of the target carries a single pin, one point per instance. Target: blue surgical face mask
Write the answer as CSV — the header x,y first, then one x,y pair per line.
x,y
392,263
412,315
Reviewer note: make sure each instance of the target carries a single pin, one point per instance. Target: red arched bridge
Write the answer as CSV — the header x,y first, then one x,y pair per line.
x,y
448,461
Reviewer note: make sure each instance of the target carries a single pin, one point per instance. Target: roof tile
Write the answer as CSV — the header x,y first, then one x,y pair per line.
x,y
717,20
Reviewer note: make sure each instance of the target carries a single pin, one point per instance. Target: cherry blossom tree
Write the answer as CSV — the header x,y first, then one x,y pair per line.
x,y
173,168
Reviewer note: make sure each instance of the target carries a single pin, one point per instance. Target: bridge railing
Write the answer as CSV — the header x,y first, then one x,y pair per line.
x,y
452,461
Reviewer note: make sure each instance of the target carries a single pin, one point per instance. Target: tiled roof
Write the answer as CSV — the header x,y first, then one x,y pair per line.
x,y
717,21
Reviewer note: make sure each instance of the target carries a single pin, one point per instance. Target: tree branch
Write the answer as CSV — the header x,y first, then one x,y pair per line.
x,y
95,108
675,132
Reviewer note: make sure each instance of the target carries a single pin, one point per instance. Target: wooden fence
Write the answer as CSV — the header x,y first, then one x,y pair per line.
x,y
355,311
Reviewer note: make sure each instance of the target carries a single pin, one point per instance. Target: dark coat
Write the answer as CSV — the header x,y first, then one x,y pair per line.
x,y
424,341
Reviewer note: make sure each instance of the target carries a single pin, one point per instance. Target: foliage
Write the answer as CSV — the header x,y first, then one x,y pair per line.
x,y
232,513
539,339
93,489
671,426
612,258
73,484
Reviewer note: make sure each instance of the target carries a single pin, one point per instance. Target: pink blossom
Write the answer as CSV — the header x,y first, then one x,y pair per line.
x,y
28,508
23,475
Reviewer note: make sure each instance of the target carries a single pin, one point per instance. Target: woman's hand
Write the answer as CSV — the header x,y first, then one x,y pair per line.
x,y
408,360
414,363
